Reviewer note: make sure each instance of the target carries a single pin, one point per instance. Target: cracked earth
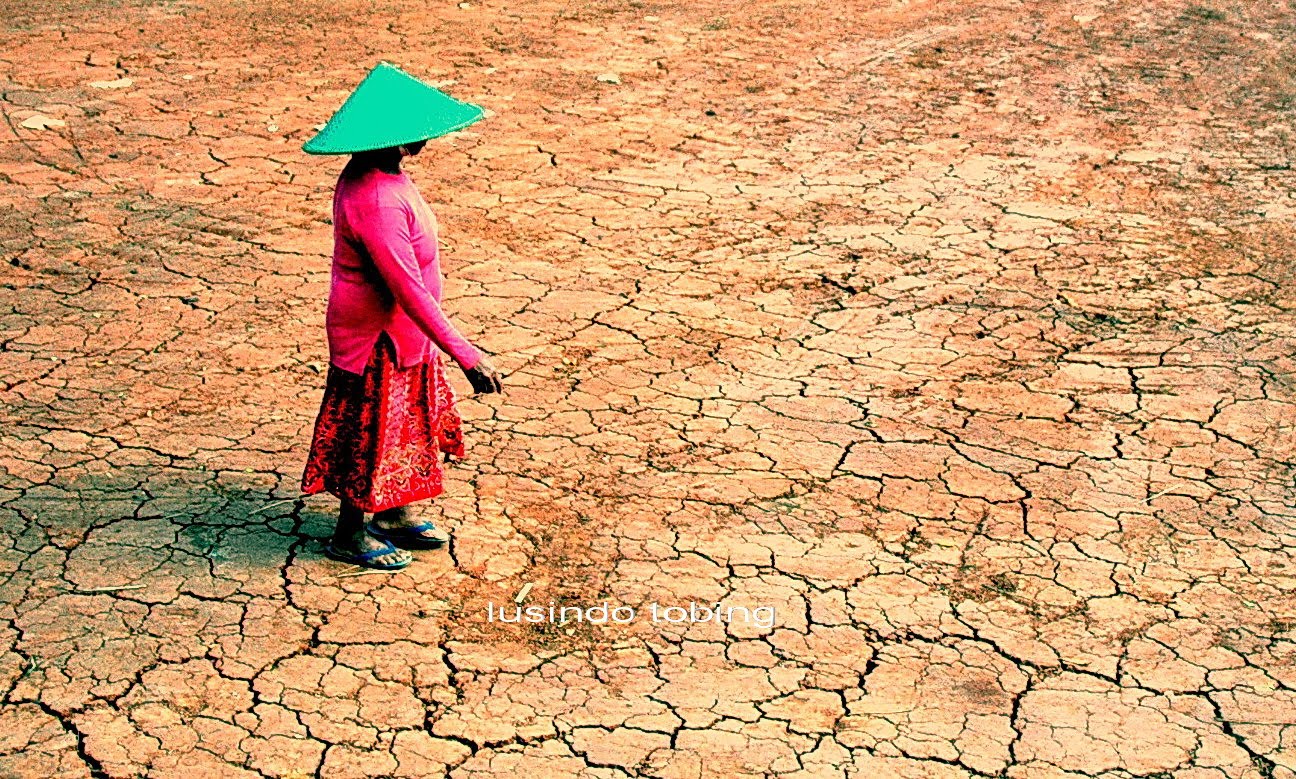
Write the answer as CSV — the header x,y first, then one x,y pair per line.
x,y
960,335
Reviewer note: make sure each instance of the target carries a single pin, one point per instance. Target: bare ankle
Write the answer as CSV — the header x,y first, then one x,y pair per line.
x,y
393,516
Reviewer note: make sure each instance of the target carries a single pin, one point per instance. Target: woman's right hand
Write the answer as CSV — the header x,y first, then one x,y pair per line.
x,y
483,377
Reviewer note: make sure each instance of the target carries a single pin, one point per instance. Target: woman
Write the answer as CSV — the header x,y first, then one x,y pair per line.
x,y
388,412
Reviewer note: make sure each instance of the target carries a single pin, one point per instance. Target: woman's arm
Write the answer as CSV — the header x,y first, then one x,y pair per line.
x,y
385,232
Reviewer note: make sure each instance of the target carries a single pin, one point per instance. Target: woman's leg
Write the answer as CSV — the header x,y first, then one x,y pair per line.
x,y
402,517
350,537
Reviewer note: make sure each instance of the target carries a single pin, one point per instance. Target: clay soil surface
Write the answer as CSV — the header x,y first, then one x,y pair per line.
x,y
958,334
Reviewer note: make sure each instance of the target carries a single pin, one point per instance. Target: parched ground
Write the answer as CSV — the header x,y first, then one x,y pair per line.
x,y
959,334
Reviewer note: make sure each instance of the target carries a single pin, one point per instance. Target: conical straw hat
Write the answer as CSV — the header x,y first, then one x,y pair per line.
x,y
391,107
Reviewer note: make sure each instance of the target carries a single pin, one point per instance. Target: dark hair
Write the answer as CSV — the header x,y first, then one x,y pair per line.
x,y
386,160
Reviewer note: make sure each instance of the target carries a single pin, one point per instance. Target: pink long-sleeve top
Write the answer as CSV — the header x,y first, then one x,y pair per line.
x,y
387,275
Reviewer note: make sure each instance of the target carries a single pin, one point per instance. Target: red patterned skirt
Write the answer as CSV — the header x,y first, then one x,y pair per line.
x,y
379,437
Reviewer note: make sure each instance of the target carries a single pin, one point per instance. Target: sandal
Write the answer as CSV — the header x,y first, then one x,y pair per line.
x,y
410,537
365,559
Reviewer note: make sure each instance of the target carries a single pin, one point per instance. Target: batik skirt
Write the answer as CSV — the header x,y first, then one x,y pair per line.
x,y
380,437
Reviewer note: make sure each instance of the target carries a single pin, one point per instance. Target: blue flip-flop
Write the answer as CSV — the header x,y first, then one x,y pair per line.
x,y
365,559
407,537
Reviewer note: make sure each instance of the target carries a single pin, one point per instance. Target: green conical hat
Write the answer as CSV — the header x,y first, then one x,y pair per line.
x,y
391,107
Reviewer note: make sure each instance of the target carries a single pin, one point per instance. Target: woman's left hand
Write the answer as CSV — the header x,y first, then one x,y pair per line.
x,y
483,377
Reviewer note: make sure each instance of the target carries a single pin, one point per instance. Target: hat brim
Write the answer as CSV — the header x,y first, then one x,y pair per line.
x,y
323,144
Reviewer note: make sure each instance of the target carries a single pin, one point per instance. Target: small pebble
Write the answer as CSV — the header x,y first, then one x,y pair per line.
x,y
120,83
42,122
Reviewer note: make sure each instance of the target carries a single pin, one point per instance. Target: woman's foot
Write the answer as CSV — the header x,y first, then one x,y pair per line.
x,y
358,548
401,527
